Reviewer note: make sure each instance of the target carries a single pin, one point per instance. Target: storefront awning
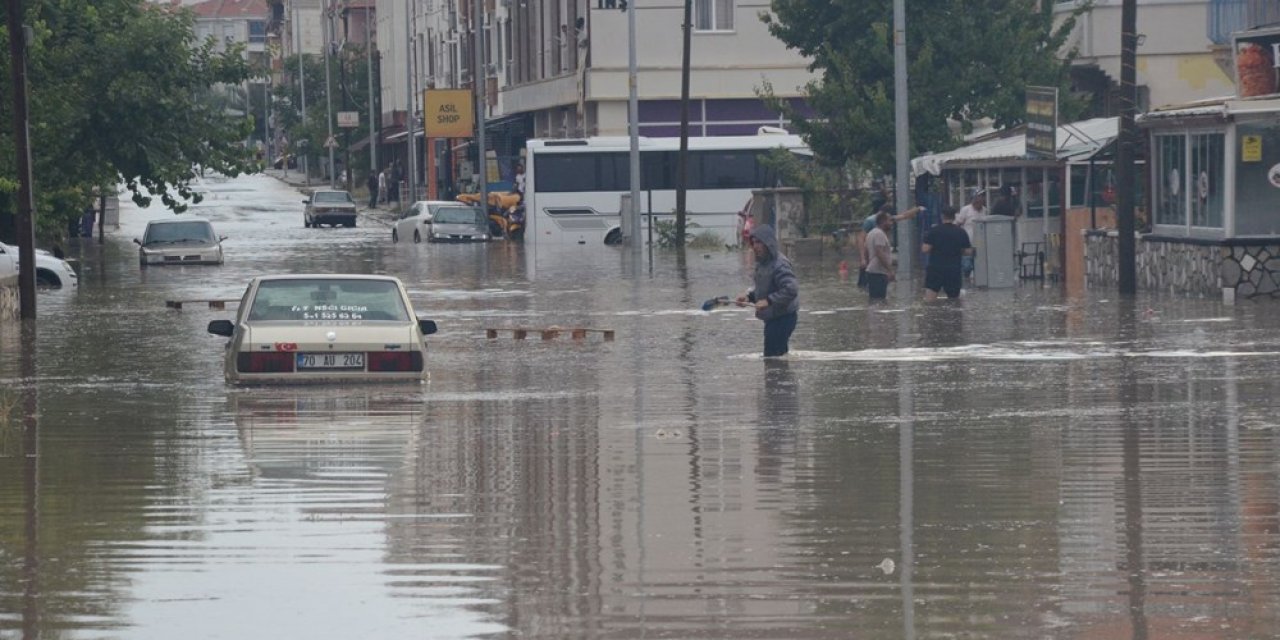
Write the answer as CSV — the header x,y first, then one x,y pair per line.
x,y
1224,108
1076,141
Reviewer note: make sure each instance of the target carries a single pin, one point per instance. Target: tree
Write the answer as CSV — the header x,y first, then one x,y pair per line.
x,y
349,61
968,60
120,94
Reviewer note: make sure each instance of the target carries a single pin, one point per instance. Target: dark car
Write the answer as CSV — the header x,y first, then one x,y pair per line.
x,y
331,207
459,223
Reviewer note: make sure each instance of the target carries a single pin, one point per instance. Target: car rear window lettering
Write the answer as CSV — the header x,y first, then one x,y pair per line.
x,y
323,300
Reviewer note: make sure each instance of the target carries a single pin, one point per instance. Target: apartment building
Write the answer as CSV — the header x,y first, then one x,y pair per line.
x,y
558,68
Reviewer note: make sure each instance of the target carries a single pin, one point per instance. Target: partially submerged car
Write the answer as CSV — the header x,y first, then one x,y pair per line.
x,y
331,207
51,272
458,223
415,222
324,328
179,241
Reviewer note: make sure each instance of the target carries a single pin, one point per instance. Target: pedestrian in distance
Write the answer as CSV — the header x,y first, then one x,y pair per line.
x,y
879,258
946,245
372,184
383,196
968,220
776,294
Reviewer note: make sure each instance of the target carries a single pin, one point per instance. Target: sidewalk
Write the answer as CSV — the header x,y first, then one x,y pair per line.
x,y
378,215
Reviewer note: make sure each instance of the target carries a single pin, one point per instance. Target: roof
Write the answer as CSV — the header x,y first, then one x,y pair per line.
x,y
1076,141
232,9
1223,108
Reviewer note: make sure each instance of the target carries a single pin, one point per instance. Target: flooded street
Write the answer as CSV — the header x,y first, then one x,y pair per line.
x,y
1020,465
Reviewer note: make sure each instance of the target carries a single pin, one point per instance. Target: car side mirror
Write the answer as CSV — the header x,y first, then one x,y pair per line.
x,y
137,242
427,327
222,328
306,202
221,238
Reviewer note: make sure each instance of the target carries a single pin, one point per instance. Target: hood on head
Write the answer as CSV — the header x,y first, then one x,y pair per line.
x,y
767,236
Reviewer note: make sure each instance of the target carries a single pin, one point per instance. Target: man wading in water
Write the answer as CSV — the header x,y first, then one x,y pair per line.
x,y
776,295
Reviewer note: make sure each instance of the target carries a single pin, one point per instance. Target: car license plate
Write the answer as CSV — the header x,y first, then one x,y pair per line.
x,y
330,361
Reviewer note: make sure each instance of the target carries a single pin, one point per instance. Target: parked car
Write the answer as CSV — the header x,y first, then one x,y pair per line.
x,y
415,222
331,207
51,272
179,241
458,223
324,328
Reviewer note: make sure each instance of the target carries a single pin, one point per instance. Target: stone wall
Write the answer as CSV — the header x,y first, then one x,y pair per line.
x,y
8,297
1246,268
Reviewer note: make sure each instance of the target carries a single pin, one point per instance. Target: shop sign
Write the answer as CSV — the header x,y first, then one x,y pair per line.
x,y
1251,148
1273,176
447,113
1042,122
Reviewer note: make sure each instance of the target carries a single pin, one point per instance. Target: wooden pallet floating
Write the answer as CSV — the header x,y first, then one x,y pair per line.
x,y
216,303
549,333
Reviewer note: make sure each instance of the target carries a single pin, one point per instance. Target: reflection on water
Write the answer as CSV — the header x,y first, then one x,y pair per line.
x,y
1016,465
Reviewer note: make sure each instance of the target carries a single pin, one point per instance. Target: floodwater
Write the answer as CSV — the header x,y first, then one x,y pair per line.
x,y
1020,465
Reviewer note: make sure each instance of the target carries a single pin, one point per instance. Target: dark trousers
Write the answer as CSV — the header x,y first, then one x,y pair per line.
x,y
877,286
777,333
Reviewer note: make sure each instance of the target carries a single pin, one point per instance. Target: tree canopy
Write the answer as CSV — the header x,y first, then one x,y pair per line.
x,y
119,93
968,60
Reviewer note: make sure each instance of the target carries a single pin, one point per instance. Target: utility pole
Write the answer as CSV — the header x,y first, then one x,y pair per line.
x,y
302,87
346,98
1127,266
411,162
368,49
326,34
682,163
478,79
633,111
26,223
902,139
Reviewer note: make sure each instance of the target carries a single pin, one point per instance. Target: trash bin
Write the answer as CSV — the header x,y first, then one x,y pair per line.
x,y
993,266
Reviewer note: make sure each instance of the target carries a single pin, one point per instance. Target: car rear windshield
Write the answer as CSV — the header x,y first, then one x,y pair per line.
x,y
328,299
330,197
457,215
179,233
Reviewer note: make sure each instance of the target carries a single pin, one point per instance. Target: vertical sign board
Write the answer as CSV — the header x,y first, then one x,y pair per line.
x,y
1042,122
448,113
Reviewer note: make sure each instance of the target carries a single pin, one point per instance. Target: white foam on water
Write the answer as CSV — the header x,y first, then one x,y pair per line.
x,y
1195,320
1184,353
1012,352
822,313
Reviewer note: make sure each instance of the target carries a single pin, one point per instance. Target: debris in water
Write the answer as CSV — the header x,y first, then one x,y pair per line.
x,y
887,566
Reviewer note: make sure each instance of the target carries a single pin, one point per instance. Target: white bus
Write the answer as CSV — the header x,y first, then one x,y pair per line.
x,y
574,187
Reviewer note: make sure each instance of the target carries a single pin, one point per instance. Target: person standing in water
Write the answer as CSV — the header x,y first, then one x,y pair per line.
x,y
776,294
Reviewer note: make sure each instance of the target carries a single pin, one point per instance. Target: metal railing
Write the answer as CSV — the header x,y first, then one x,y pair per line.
x,y
1229,16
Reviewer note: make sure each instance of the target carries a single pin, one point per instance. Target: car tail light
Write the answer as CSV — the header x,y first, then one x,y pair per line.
x,y
395,361
265,362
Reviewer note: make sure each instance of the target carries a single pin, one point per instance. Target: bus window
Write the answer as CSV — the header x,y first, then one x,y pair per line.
x,y
567,172
728,170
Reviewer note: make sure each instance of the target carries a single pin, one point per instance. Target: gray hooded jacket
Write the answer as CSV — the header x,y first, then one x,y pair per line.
x,y
774,278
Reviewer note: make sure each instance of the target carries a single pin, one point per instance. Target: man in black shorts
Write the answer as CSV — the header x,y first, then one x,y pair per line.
x,y
945,245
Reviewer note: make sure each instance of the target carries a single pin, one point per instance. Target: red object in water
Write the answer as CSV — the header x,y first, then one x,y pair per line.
x,y
844,269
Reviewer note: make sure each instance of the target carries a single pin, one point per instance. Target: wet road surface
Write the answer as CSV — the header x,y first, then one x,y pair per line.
x,y
1020,465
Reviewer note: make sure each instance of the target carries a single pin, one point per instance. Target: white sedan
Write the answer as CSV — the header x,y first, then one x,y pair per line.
x,y
324,328
415,222
51,272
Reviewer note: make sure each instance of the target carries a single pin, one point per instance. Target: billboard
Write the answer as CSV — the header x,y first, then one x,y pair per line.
x,y
447,113
1042,122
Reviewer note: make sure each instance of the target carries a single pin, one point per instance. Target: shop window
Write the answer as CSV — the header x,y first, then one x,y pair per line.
x,y
1170,179
1257,180
1205,192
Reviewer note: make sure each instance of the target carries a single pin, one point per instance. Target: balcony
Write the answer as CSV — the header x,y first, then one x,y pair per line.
x,y
1229,16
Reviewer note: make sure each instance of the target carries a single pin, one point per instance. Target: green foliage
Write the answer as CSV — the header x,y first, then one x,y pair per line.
x,y
349,78
706,240
665,233
967,59
119,92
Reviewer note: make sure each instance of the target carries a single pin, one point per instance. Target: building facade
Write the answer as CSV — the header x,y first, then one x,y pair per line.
x,y
559,68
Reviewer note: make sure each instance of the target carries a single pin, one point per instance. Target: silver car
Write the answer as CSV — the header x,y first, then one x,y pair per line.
x,y
324,328
329,207
51,272
415,222
458,223
179,241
